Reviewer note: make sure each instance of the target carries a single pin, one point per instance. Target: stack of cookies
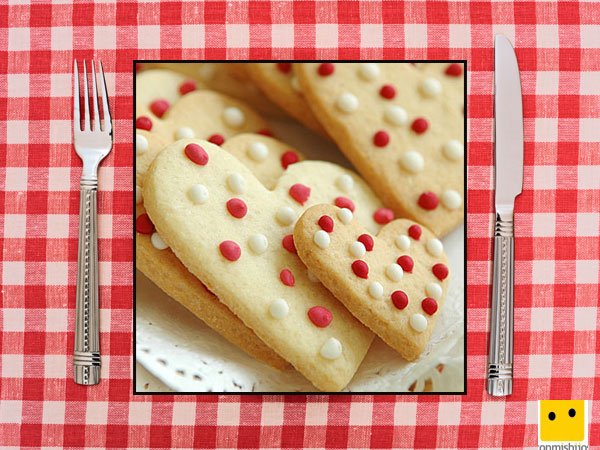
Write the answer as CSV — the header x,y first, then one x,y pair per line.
x,y
299,262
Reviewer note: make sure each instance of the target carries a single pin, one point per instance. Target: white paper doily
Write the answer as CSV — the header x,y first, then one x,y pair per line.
x,y
188,356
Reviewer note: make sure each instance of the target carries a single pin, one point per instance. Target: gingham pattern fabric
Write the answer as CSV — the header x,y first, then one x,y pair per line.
x,y
557,220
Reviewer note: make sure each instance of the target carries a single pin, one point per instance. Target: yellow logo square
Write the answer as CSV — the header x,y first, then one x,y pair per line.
x,y
562,420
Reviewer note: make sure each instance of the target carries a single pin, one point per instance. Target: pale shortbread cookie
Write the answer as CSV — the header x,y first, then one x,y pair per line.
x,y
395,282
280,85
262,155
402,127
227,78
166,271
202,112
236,236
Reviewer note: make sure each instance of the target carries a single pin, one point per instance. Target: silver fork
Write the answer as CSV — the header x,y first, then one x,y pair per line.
x,y
92,144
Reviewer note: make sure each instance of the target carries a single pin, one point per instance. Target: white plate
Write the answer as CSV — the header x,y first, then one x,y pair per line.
x,y
187,356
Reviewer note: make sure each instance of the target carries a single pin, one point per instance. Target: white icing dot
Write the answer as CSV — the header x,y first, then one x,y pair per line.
x,y
322,239
431,87
332,349
403,242
184,133
412,161
198,194
434,290
451,199
157,242
396,115
376,290
434,247
258,151
418,322
345,215
368,71
138,195
357,249
233,117
258,243
207,71
394,272
453,150
279,309
295,84
345,183
236,183
347,102
311,277
141,144
286,215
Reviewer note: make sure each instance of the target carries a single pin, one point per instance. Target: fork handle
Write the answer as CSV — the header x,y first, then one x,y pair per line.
x,y
500,365
86,357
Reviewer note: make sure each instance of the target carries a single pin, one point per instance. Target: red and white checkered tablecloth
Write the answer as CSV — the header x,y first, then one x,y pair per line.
x,y
557,219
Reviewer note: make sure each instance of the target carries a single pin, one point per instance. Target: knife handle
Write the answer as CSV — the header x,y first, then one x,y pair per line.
x,y
500,366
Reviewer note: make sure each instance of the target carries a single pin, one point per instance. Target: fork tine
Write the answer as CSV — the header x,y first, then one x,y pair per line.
x,y
95,94
105,109
86,100
76,117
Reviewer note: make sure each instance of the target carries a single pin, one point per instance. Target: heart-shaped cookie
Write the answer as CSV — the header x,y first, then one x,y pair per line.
x,y
236,236
204,113
402,127
394,282
263,156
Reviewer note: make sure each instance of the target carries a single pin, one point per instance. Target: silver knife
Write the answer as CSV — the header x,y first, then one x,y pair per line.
x,y
508,137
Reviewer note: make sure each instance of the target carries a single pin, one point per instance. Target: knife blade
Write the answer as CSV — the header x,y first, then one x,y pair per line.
x,y
508,151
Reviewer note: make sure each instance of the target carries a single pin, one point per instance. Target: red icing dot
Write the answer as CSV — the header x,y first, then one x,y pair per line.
x,y
360,269
367,241
300,193
381,139
399,299
284,67
383,216
429,305
288,158
428,201
143,123
326,223
344,202
237,208
287,277
288,243
196,154
414,231
440,271
454,70
144,225
216,139
420,125
406,262
187,86
265,132
139,67
387,91
320,316
326,69
230,250
159,107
